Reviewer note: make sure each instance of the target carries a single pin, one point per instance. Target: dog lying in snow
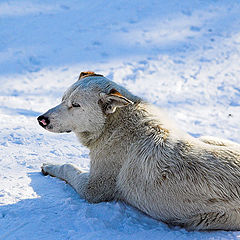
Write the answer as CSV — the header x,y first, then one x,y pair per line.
x,y
138,157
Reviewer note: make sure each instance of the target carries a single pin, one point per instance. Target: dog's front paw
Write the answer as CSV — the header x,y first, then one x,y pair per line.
x,y
47,169
43,169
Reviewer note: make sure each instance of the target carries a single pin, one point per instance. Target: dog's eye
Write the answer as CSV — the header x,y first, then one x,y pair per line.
x,y
75,105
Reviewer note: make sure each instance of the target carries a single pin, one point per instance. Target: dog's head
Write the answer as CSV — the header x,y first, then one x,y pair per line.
x,y
86,105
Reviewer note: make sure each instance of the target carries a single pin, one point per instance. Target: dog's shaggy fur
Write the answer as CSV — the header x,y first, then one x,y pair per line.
x,y
139,157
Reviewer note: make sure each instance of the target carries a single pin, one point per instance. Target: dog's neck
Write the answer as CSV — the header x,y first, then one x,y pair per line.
x,y
124,123
114,122
87,139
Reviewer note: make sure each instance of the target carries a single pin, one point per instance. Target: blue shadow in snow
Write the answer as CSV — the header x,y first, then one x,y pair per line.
x,y
31,41
20,111
57,212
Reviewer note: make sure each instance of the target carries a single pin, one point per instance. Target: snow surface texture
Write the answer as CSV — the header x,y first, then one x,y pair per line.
x,y
183,56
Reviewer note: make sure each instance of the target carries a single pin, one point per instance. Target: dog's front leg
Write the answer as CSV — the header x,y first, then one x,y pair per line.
x,y
95,188
69,173
100,188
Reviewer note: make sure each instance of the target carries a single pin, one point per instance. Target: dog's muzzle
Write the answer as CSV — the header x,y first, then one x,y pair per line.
x,y
45,123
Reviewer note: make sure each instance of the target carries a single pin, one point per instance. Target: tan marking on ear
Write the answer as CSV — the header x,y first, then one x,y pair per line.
x,y
87,74
114,92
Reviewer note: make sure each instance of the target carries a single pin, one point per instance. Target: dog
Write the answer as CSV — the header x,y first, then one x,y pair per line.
x,y
137,156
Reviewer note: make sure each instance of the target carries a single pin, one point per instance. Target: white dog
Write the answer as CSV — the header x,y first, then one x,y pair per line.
x,y
138,157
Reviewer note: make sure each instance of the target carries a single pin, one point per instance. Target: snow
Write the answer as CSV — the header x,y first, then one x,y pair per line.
x,y
183,56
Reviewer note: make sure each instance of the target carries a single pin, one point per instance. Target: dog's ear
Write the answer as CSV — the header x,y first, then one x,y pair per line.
x,y
87,74
111,101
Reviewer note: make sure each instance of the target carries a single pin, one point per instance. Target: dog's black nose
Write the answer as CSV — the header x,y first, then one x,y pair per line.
x,y
43,121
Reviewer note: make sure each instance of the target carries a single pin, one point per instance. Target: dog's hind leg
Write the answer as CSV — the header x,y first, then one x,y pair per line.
x,y
229,220
69,173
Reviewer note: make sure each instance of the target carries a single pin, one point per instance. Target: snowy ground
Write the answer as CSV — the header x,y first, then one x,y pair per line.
x,y
183,56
